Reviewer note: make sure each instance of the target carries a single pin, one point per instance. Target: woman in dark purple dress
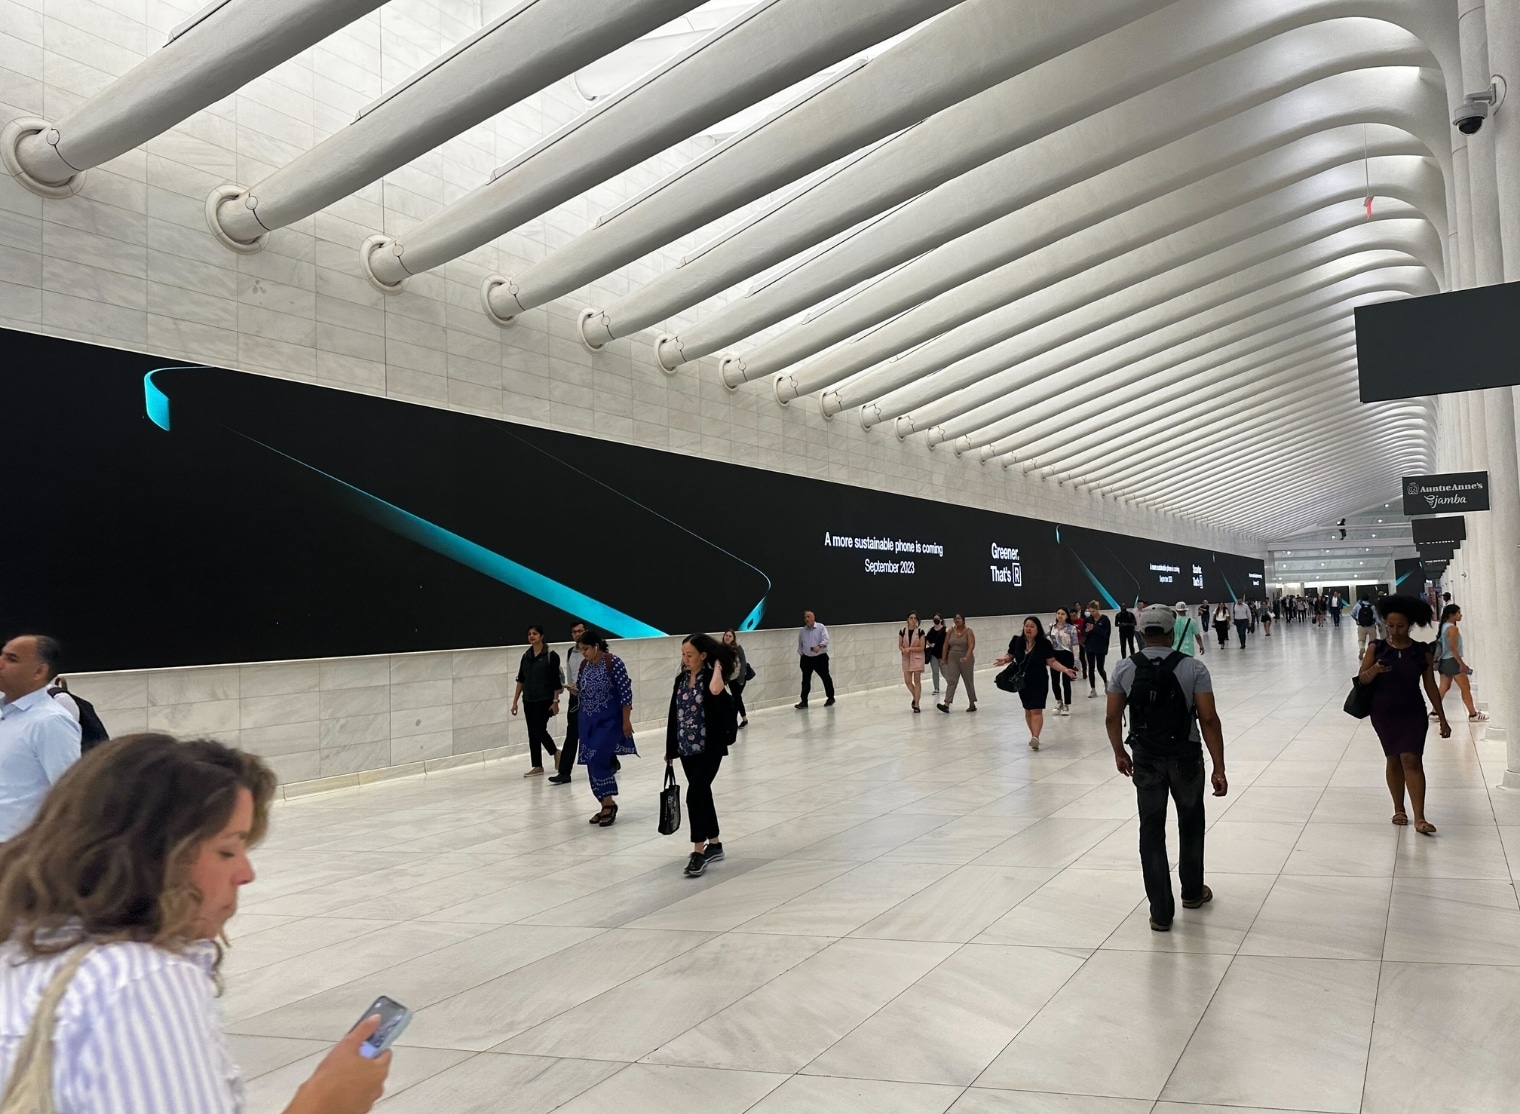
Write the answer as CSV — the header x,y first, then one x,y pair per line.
x,y
1395,667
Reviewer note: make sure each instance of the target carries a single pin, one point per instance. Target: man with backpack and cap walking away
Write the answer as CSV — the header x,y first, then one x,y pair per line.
x,y
1170,701
1365,616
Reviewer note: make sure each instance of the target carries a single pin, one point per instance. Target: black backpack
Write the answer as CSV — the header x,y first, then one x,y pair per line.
x,y
1160,718
1366,614
92,732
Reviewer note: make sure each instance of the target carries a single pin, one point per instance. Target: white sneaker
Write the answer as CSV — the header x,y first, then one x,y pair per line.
x,y
1034,742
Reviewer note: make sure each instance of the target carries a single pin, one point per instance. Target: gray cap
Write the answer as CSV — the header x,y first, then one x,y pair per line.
x,y
1157,617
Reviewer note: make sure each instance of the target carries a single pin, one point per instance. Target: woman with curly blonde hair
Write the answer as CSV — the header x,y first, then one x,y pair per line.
x,y
113,905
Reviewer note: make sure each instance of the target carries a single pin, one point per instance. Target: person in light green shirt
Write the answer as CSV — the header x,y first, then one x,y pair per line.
x,y
1186,634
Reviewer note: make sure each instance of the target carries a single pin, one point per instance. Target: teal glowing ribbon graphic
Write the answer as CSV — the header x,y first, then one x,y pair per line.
x,y
448,544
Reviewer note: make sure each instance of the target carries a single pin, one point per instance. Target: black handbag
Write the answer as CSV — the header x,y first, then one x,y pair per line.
x,y
1011,679
1359,699
670,804
749,672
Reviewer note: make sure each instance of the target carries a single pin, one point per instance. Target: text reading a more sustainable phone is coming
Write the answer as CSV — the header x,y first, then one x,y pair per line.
x,y
901,555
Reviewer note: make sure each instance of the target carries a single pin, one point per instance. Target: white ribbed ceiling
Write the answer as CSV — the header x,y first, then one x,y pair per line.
x,y
1115,244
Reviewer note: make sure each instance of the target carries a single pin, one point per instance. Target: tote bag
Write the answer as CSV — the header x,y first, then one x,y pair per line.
x,y
1359,700
670,804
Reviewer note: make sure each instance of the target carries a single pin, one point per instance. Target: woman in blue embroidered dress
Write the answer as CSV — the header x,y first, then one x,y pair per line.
x,y
605,719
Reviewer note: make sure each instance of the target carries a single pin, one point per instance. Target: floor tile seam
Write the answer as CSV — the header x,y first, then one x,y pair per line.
x,y
302,997
591,892
830,881
844,1036
752,992
390,893
950,819
1035,1016
496,1049
313,951
643,1058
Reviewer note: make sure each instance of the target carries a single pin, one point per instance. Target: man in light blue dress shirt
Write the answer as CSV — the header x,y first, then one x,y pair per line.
x,y
38,737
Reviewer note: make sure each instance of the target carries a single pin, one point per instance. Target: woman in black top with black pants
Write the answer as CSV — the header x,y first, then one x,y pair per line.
x,y
701,725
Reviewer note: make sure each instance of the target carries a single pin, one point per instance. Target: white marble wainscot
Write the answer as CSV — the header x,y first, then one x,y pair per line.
x,y
336,722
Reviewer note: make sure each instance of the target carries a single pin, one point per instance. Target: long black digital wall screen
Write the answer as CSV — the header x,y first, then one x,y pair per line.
x,y
192,515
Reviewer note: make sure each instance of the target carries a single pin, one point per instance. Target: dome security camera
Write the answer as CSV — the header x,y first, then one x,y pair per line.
x,y
1476,108
1469,118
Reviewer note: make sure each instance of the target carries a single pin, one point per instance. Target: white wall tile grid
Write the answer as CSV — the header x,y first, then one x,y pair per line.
x,y
337,722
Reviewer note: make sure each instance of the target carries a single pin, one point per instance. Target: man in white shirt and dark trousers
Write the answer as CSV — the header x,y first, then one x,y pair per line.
x,y
1241,613
39,740
1170,701
813,650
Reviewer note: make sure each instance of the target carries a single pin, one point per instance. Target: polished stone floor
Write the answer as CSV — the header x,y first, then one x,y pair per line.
x,y
917,914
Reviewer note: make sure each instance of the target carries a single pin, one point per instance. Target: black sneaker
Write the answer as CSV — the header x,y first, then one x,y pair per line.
x,y
802,705
714,853
696,865
829,703
560,779
1160,926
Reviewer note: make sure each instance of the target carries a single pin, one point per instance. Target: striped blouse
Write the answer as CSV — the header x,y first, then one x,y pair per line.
x,y
138,1032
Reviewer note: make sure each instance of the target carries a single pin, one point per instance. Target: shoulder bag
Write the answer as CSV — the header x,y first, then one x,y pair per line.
x,y
30,1090
1011,679
670,809
1359,699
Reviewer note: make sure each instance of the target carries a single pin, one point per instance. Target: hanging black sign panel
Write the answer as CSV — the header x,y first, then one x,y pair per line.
x,y
1463,340
1436,551
1452,491
1448,530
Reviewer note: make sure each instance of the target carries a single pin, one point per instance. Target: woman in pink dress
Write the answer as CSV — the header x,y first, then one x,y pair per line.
x,y
910,643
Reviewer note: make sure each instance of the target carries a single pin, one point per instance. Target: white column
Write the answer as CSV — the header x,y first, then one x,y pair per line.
x,y
1502,134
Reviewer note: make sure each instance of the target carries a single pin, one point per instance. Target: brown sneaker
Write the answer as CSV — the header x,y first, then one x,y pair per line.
x,y
1202,899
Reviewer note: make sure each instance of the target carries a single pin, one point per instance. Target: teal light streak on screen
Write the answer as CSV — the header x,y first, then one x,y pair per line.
x,y
448,544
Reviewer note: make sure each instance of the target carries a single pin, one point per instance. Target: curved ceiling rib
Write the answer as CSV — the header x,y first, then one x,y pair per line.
x,y
212,55
1283,368
1043,425
1317,376
1317,166
1141,125
533,45
762,52
997,305
1103,72
1268,449
1059,186
971,416
1279,449
1135,361
976,45
951,399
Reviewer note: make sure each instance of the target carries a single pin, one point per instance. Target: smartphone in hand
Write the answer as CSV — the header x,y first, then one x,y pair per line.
x,y
394,1018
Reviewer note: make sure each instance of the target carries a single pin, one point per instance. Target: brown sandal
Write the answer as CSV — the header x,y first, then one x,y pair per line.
x,y
1401,818
1425,827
